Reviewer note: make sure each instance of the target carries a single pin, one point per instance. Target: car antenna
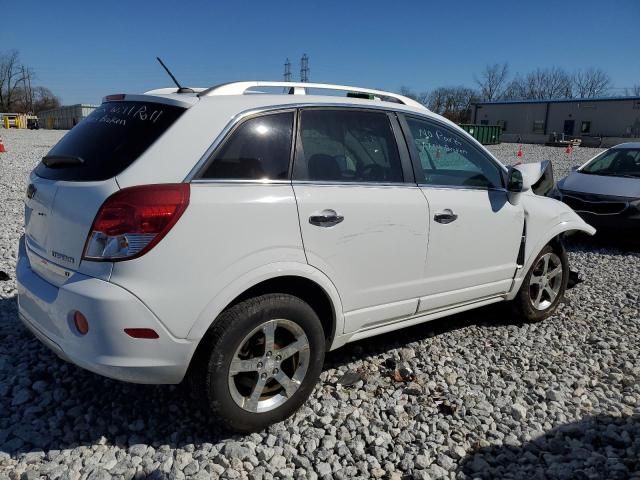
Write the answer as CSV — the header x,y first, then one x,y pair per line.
x,y
181,89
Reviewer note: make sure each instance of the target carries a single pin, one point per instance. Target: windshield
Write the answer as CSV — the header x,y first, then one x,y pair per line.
x,y
617,162
107,141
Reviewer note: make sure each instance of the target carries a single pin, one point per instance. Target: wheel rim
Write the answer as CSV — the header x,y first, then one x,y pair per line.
x,y
269,366
545,281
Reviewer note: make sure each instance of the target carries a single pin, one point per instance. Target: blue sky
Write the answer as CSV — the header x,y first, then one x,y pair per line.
x,y
84,50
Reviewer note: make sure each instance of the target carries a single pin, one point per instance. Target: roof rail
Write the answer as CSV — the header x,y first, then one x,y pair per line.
x,y
299,88
169,91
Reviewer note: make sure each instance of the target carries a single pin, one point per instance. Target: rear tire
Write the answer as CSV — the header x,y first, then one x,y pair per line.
x,y
544,285
260,361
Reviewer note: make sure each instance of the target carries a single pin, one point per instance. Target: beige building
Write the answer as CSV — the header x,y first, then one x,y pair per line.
x,y
614,120
64,118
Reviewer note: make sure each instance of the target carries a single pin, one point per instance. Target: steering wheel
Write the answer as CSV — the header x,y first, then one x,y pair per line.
x,y
373,171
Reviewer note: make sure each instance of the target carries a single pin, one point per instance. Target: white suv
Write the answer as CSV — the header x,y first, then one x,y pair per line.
x,y
233,236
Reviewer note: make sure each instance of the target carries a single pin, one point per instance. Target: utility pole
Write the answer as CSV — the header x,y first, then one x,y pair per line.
x,y
304,68
28,96
287,71
30,93
26,93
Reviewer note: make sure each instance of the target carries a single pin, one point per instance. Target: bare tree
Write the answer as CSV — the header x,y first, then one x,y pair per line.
x,y
452,102
421,97
11,76
16,92
541,84
633,91
44,99
590,83
492,81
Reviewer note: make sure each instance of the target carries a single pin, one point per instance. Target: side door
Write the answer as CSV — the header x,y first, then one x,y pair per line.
x,y
363,219
474,233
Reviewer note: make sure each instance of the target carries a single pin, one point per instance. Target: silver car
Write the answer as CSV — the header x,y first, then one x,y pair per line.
x,y
605,191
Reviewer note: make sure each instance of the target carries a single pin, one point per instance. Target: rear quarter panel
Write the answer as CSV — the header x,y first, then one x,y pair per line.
x,y
227,231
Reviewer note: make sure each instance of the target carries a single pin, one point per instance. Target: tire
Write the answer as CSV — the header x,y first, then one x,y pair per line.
x,y
534,305
239,339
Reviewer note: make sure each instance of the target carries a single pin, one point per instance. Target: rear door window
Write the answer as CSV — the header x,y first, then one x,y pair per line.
x,y
108,141
348,146
258,149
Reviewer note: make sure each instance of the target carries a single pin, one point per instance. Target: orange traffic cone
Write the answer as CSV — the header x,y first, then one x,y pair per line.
x,y
520,151
569,149
2,149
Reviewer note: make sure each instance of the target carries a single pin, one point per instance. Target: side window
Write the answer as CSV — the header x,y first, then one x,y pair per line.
x,y
347,146
258,149
447,158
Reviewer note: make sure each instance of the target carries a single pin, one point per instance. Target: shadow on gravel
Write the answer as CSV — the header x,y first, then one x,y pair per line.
x,y
491,316
600,447
49,404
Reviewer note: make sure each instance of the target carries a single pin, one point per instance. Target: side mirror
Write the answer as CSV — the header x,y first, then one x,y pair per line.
x,y
515,182
515,185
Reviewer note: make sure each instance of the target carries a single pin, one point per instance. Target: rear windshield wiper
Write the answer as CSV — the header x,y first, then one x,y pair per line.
x,y
53,161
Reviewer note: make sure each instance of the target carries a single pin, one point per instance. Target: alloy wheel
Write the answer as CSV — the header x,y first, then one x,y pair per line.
x,y
546,281
269,365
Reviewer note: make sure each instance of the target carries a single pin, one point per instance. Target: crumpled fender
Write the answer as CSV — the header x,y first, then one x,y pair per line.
x,y
546,219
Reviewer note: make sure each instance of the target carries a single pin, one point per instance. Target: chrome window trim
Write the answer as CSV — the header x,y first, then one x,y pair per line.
x,y
240,181
320,183
461,187
236,119
267,182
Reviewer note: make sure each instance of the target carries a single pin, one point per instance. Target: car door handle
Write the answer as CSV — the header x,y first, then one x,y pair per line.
x,y
326,218
445,216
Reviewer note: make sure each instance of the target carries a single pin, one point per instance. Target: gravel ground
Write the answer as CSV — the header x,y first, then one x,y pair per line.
x,y
492,398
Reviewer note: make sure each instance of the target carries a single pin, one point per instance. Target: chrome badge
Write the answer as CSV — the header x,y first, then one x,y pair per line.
x,y
63,257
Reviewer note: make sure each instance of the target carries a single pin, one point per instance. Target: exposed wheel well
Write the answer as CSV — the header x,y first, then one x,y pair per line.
x,y
557,242
303,288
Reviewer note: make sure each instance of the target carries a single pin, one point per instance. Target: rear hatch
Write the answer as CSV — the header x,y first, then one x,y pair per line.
x,y
73,180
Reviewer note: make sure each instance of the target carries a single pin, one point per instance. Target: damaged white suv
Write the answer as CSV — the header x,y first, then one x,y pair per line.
x,y
235,234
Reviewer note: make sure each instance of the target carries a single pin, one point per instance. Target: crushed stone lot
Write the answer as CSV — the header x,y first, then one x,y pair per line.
x,y
477,395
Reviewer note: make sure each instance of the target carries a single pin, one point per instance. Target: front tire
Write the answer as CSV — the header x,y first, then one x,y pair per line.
x,y
544,285
260,361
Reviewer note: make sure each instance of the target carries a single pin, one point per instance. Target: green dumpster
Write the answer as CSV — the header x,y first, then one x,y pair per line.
x,y
485,134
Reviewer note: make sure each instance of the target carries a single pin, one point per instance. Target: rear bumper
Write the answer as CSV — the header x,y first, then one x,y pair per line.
x,y
106,349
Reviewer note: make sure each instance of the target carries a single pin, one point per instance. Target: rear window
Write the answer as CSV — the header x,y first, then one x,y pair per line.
x,y
107,141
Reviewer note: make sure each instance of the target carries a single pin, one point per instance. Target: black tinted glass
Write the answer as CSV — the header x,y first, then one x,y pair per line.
x,y
616,162
108,141
447,158
348,146
258,149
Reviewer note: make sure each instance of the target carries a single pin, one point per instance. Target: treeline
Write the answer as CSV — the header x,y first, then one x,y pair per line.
x,y
17,94
496,83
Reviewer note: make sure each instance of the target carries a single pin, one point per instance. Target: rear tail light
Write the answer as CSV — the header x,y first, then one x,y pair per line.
x,y
130,222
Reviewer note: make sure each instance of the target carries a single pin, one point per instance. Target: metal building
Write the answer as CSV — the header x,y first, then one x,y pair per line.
x,y
64,118
613,120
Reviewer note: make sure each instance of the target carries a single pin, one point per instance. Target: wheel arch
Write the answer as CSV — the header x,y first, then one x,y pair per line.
x,y
302,281
553,236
